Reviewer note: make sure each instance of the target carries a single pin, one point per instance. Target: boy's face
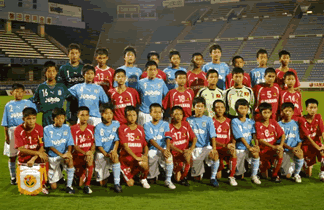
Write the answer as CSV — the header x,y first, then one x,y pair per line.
x,y
213,78
83,117
239,63
101,59
175,60
129,57
59,120
266,114
312,109
287,113
131,117
108,115
198,61
74,55
89,76
154,58
51,73
215,54
290,81
242,110
181,80
238,78
30,121
199,109
262,59
270,78
219,109
152,71
177,115
285,59
120,78
18,93
155,113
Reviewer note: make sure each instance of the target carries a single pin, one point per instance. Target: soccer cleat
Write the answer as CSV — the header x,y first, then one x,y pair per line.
x,y
256,180
321,176
13,181
232,181
44,190
276,179
185,182
70,190
170,185
145,183
87,190
297,178
214,183
117,188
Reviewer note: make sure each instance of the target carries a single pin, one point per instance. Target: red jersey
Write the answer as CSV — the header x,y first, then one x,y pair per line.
x,y
314,130
280,81
160,74
182,99
196,81
295,98
230,82
83,139
269,134
105,78
223,131
29,140
135,140
181,137
129,97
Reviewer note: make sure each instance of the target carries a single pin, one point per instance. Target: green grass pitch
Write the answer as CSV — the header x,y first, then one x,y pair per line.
x,y
286,195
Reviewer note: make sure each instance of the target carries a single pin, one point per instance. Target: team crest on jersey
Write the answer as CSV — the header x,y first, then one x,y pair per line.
x,y
204,124
218,95
127,99
246,93
65,133
137,74
145,85
81,89
249,126
294,128
59,92
159,85
96,91
114,129
162,129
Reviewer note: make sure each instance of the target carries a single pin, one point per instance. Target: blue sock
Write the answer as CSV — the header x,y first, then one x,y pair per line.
x,y
116,173
70,172
12,169
255,165
214,169
298,165
169,172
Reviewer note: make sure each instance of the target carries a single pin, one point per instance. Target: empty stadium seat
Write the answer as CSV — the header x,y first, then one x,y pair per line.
x,y
239,28
272,26
205,30
310,24
252,46
302,48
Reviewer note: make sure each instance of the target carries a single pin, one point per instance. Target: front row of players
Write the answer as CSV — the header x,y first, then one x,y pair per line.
x,y
176,147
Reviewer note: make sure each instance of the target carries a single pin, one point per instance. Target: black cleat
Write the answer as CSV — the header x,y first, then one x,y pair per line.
x,y
276,179
70,190
214,183
185,182
87,190
13,181
118,188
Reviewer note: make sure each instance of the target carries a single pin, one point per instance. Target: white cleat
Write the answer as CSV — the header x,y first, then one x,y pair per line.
x,y
170,185
321,176
297,178
256,180
145,183
232,181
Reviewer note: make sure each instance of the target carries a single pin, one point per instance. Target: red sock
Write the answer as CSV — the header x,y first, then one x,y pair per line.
x,y
90,170
233,167
277,168
186,169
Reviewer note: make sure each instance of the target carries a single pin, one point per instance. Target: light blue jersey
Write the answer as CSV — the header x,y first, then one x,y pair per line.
x,y
291,131
89,95
170,76
223,70
151,91
158,133
243,130
13,112
132,76
203,128
257,75
106,136
59,138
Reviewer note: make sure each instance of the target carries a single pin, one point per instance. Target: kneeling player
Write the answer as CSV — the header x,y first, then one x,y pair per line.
x,y
58,139
84,148
182,134
134,152
107,142
225,148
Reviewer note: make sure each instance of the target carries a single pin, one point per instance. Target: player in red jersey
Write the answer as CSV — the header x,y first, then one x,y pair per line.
x,y
182,134
28,141
180,96
196,78
311,132
268,131
134,149
104,74
225,143
291,95
84,148
238,61
122,96
154,56
267,92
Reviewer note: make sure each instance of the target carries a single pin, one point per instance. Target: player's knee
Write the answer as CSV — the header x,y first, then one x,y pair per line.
x,y
130,183
54,186
115,160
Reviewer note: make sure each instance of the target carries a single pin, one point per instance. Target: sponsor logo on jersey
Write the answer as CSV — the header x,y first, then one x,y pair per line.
x,y
152,93
123,105
158,137
59,92
134,145
171,81
109,138
222,136
52,100
246,135
179,142
269,139
270,101
76,79
85,145
132,80
199,131
88,97
290,135
59,142
16,115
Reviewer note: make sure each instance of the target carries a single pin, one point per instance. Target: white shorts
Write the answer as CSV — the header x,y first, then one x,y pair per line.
x,y
242,155
9,149
199,155
55,173
143,118
102,166
287,166
93,121
156,157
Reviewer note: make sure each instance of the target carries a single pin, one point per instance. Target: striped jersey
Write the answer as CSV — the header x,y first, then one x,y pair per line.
x,y
233,94
210,95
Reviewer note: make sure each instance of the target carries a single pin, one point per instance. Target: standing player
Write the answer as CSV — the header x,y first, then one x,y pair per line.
x,y
196,78
12,117
175,60
151,90
257,74
205,132
134,149
59,141
104,74
238,61
71,74
212,92
90,94
107,142
84,148
221,67
122,96
154,56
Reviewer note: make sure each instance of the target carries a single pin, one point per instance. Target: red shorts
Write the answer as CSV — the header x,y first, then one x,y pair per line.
x,y
311,153
79,164
267,156
179,161
130,168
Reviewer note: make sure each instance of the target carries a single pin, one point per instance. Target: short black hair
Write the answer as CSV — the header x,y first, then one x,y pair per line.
x,y
311,101
129,108
287,105
196,54
284,52
217,101
104,106
119,70
88,67
214,47
197,100
288,73
58,111
261,51
152,53
236,57
241,102
269,70
83,108
179,72
212,71
29,111
174,108
237,70
155,105
17,86
174,52
151,63
49,64
101,51
129,49
265,106
74,46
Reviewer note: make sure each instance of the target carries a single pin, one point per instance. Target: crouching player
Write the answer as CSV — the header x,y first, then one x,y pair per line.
x,y
134,152
311,131
244,131
28,141
158,135
84,148
292,143
107,142
268,131
58,138
226,149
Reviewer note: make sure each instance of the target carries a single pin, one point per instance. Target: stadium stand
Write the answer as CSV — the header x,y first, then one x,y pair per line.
x,y
229,48
317,73
272,26
274,8
187,49
252,46
303,48
151,47
300,68
166,33
205,30
239,28
311,24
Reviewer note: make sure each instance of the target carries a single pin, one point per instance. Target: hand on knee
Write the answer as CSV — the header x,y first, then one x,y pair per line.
x,y
130,183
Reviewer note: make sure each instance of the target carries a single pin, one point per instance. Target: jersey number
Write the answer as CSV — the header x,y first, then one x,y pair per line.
x,y
219,130
11,108
121,98
130,136
51,132
45,92
240,93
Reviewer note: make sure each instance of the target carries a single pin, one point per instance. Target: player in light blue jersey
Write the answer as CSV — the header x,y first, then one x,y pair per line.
x,y
221,67
90,94
107,143
12,117
151,90
158,136
292,144
257,74
244,131
175,60
59,141
205,133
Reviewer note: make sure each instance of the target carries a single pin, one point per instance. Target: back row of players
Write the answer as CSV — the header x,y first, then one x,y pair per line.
x,y
172,89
